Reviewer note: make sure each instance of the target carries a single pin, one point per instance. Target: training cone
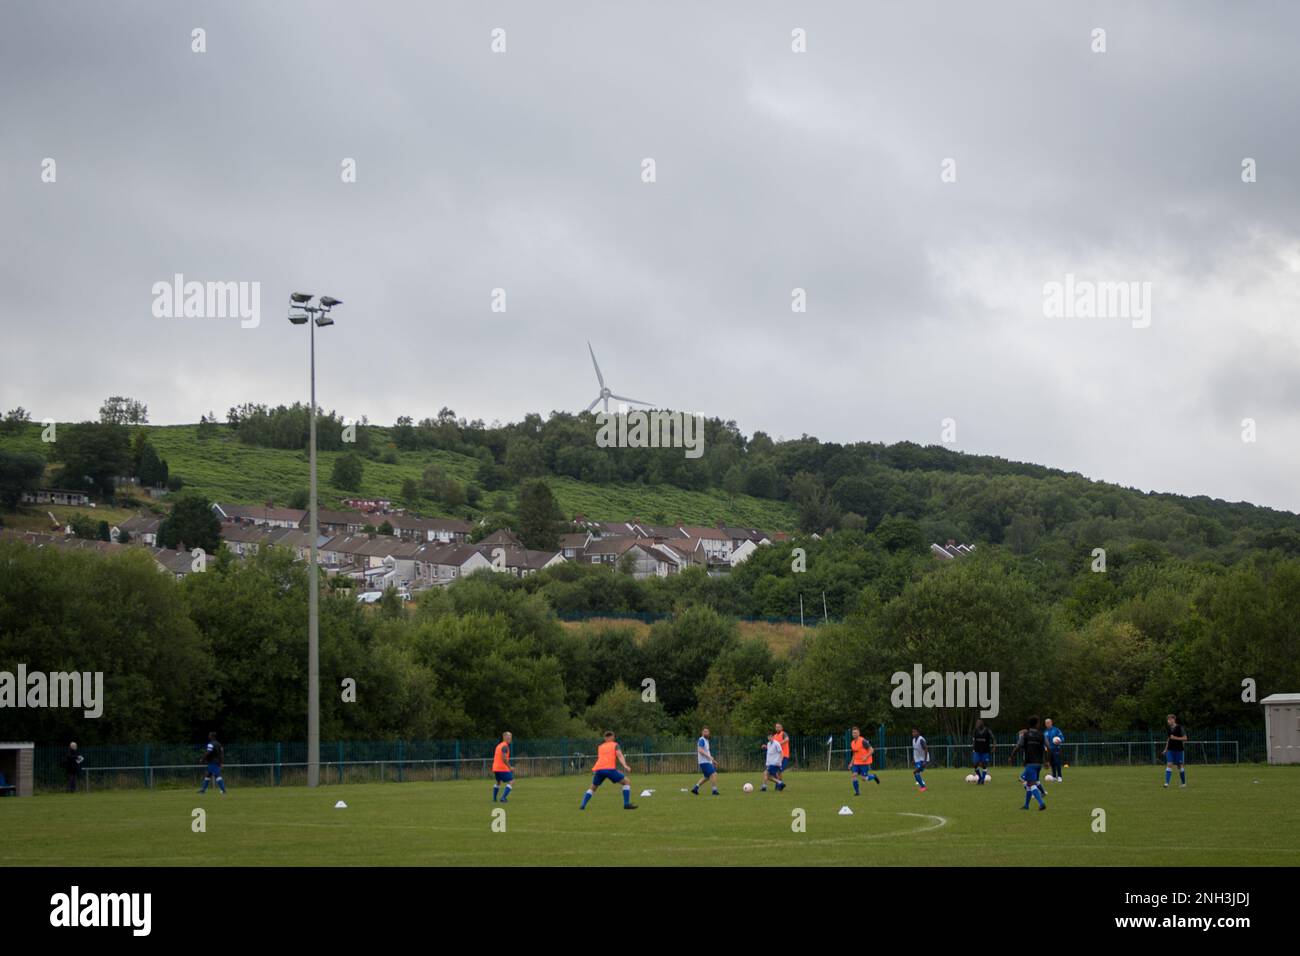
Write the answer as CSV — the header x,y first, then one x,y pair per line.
x,y
845,812
340,805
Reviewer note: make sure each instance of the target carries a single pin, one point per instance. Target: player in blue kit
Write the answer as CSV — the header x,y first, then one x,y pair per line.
x,y
213,755
1055,746
1030,743
1174,751
982,745
920,757
708,772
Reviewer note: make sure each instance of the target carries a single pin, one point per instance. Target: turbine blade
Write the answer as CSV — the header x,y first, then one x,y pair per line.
x,y
593,404
634,401
600,378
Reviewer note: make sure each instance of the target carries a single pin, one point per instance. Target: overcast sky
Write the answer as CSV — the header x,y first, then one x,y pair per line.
x,y
775,170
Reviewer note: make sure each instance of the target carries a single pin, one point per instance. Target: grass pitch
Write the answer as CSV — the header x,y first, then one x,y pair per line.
x,y
1228,816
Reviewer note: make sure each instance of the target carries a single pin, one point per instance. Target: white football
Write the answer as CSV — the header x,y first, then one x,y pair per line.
x,y
748,788
971,778
987,776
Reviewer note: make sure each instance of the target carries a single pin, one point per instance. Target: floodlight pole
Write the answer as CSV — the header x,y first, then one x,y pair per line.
x,y
313,608
313,315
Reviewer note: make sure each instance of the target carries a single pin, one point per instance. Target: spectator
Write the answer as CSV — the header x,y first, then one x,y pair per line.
x,y
72,766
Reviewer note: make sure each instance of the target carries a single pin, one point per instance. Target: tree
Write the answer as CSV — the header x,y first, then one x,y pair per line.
x,y
411,492
348,470
191,523
524,458
19,472
207,427
299,500
119,410
761,481
93,455
386,528
14,421
152,470
540,517
84,527
622,709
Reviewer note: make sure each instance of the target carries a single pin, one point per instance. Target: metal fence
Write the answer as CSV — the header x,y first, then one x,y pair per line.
x,y
277,764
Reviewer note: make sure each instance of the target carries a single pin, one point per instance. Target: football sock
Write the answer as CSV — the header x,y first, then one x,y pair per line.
x,y
495,791
627,794
204,787
855,785
1169,774
586,798
221,784
1182,775
507,793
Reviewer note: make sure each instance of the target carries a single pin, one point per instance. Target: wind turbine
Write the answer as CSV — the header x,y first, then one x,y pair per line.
x,y
605,393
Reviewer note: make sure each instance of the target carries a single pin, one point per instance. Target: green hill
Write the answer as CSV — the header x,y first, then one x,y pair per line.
x,y
225,469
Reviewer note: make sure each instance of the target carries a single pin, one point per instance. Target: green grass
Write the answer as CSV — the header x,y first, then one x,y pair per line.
x,y
1230,816
226,470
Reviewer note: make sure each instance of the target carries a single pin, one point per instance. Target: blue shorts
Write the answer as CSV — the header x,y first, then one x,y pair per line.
x,y
977,758
707,770
503,776
214,769
600,776
774,770
862,770
785,762
1174,757
1031,772
918,765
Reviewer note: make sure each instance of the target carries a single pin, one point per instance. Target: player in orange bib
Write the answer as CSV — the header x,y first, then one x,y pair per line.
x,y
608,756
784,739
863,757
501,767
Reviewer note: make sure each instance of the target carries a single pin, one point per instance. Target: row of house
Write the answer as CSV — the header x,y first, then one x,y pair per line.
x,y
379,560
679,545
176,563
407,527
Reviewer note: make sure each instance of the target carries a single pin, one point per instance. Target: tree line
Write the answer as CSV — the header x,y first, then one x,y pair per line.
x,y
226,649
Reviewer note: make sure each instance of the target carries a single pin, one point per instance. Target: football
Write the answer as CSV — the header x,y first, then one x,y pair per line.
x,y
748,788
971,778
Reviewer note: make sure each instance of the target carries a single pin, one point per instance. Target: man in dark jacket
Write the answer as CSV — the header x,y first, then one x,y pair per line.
x,y
72,766
1031,744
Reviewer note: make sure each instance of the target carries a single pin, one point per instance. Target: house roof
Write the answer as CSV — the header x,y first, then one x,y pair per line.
x,y
177,562
614,544
243,533
360,518
524,558
710,534
261,513
502,537
660,531
413,522
140,524
454,555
